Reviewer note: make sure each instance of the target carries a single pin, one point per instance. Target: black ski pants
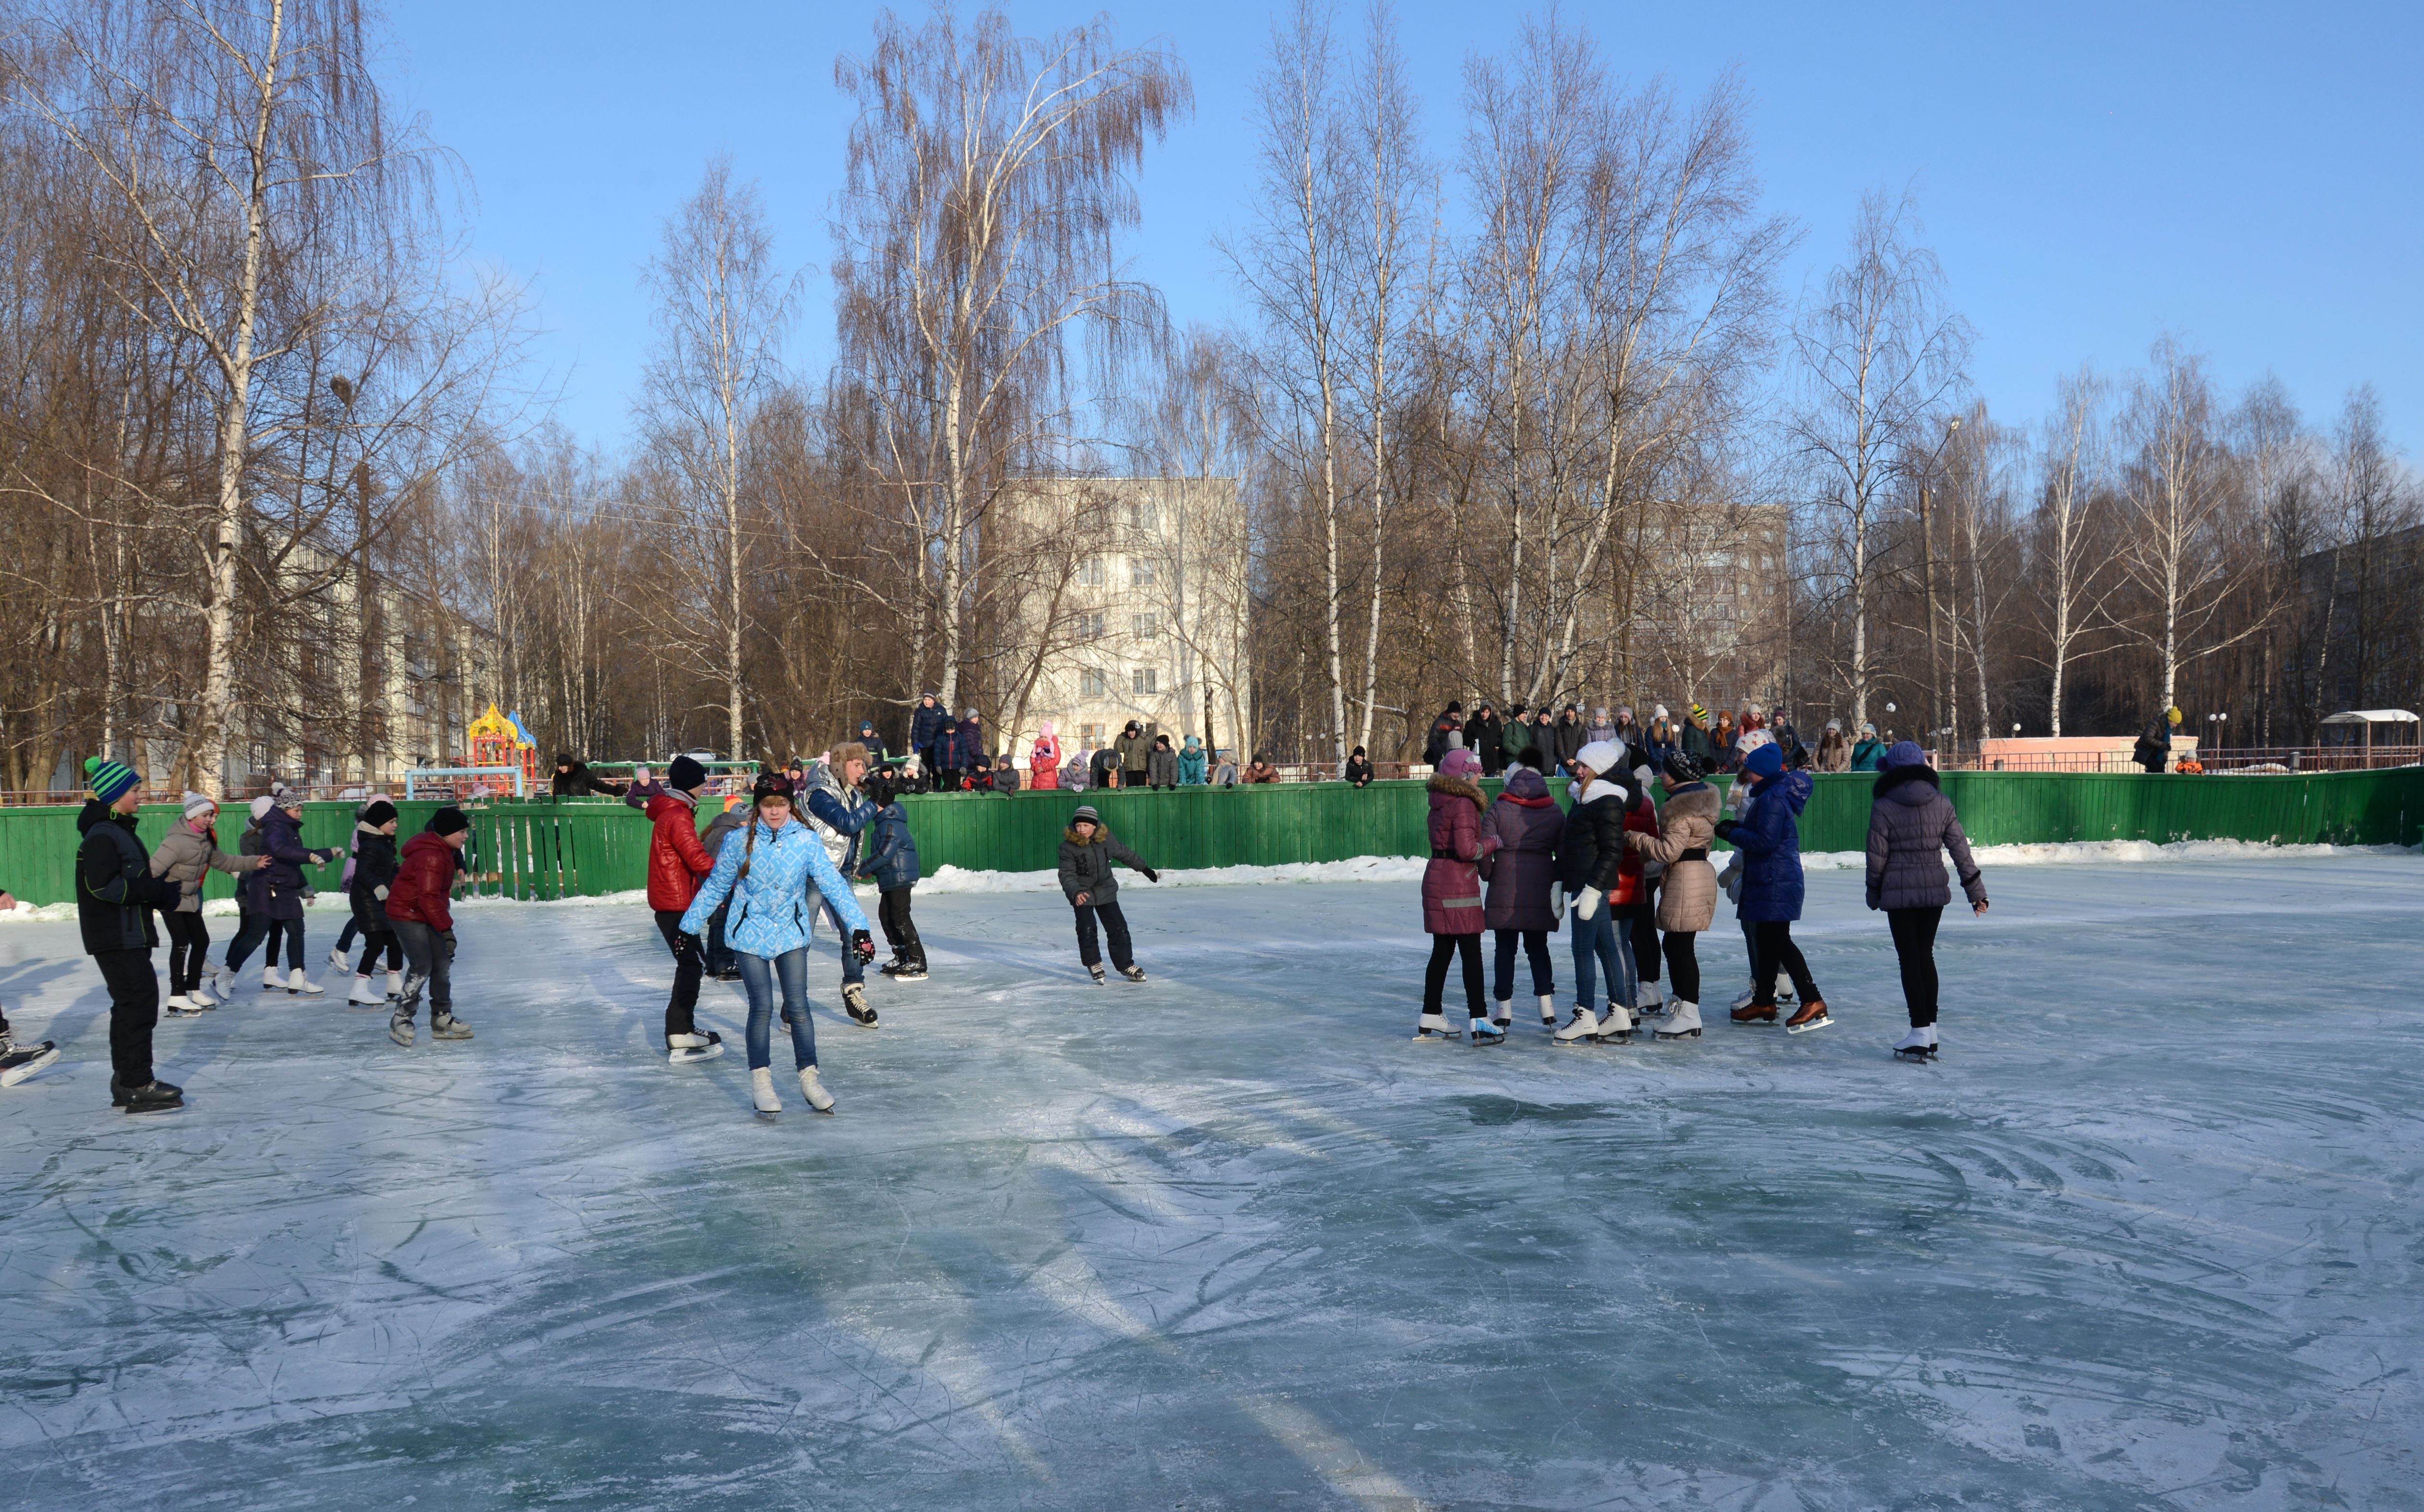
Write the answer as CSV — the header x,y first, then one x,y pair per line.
x,y
1115,924
899,930
372,944
1535,950
1465,948
431,954
133,1012
1645,932
1773,941
689,963
189,950
1683,964
1914,938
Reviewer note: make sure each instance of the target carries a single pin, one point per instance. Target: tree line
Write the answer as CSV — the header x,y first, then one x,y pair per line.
x,y
1506,421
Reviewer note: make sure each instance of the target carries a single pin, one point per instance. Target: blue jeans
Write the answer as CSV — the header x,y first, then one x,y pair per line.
x,y
1598,942
758,976
852,968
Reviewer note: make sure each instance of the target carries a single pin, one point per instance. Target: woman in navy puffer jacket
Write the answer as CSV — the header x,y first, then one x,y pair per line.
x,y
1911,824
1770,841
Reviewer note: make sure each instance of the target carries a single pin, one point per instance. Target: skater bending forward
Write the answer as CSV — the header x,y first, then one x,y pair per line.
x,y
1770,841
1453,910
766,873
1911,824
1087,851
1687,897
417,911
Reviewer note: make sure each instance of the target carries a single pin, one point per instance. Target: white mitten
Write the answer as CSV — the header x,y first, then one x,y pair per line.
x,y
1588,904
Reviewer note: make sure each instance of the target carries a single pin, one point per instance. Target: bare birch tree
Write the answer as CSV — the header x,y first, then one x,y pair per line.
x,y
2071,559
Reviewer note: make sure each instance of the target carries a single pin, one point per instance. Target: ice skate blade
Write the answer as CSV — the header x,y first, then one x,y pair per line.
x,y
1435,1037
684,1057
403,1037
1813,1024
156,1110
18,1072
764,1117
1686,1034
1919,1057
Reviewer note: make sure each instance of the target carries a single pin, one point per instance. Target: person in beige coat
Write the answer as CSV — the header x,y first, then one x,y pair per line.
x,y
1687,899
188,852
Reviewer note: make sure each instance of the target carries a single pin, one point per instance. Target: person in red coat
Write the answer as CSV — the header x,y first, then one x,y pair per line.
x,y
677,860
416,907
1043,759
1452,907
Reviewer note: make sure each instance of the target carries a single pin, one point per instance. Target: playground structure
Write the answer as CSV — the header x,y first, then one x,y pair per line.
x,y
504,763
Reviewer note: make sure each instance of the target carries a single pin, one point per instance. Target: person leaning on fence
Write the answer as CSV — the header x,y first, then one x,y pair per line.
x,y
1262,770
187,853
1043,758
1161,764
116,893
1135,753
1224,770
2152,752
1193,767
573,779
1087,850
1359,770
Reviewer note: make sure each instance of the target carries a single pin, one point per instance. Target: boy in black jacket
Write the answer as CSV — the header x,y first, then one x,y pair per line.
x,y
1087,851
115,896
888,858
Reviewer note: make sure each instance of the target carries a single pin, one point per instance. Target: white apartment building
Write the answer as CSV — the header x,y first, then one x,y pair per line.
x,y
1714,600
1133,605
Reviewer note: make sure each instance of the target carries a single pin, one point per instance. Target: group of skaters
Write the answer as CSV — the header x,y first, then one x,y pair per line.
x,y
126,890
1631,883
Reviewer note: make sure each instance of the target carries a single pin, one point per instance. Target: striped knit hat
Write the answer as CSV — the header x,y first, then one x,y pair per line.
x,y
109,780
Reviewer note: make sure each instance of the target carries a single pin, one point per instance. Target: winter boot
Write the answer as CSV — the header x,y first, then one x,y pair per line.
x,y
854,1002
1918,1045
444,1026
401,1029
1580,1030
1132,972
298,985
271,981
1097,974
19,1061
1683,1021
155,1096
1754,1014
364,994
1486,1032
761,1093
681,1049
1432,1026
181,1005
1813,1016
813,1088
1548,1011
1615,1025
394,986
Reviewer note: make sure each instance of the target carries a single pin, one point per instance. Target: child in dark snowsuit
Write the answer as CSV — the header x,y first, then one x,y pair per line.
x,y
1087,851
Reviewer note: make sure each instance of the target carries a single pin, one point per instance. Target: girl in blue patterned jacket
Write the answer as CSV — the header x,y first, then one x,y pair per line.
x,y
767,876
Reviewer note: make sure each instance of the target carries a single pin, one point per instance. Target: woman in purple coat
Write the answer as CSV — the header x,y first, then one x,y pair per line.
x,y
1911,824
1452,910
1527,824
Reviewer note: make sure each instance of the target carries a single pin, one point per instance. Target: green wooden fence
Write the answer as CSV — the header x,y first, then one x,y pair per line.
x,y
585,847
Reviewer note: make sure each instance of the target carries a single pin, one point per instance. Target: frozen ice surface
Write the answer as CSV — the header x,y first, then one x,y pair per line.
x,y
2148,1235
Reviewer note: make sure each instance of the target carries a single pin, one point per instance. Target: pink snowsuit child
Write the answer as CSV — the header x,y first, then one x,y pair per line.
x,y
1044,761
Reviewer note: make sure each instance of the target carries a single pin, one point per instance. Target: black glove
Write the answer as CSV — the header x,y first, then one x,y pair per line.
x,y
448,936
1150,875
864,944
1725,829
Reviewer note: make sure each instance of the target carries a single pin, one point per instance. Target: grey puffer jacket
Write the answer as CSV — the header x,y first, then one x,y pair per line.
x,y
183,857
1911,824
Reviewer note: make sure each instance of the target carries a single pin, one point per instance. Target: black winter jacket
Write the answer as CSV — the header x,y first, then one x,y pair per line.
x,y
1593,846
1359,772
374,873
1086,867
115,889
1485,736
1911,824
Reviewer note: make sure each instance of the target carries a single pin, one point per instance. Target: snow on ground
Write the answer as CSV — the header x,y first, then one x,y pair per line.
x,y
2145,1238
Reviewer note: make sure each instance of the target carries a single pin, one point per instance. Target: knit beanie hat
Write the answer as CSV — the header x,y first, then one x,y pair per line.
x,y
109,780
291,798
1603,756
1086,815
685,773
197,805
258,808
448,820
377,812
1904,753
1766,762
1459,762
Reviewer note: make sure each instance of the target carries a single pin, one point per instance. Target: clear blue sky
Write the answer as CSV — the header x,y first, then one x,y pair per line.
x,y
2092,175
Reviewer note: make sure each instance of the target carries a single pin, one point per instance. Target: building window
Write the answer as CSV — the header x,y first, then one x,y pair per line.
x,y
1145,626
1144,514
1142,682
1089,735
1140,573
1091,573
1090,626
1093,684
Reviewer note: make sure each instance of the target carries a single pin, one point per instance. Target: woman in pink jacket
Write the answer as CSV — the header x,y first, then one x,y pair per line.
x,y
1452,907
1044,761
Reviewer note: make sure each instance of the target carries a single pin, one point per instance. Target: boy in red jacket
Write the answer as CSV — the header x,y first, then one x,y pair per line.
x,y
416,906
677,860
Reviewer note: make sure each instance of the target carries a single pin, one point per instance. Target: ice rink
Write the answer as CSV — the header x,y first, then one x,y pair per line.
x,y
2146,1238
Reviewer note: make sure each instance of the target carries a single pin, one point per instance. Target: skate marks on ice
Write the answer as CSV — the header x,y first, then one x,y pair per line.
x,y
1227,1239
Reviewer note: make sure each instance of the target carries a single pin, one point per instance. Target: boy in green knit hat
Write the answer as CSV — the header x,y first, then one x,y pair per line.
x,y
116,893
